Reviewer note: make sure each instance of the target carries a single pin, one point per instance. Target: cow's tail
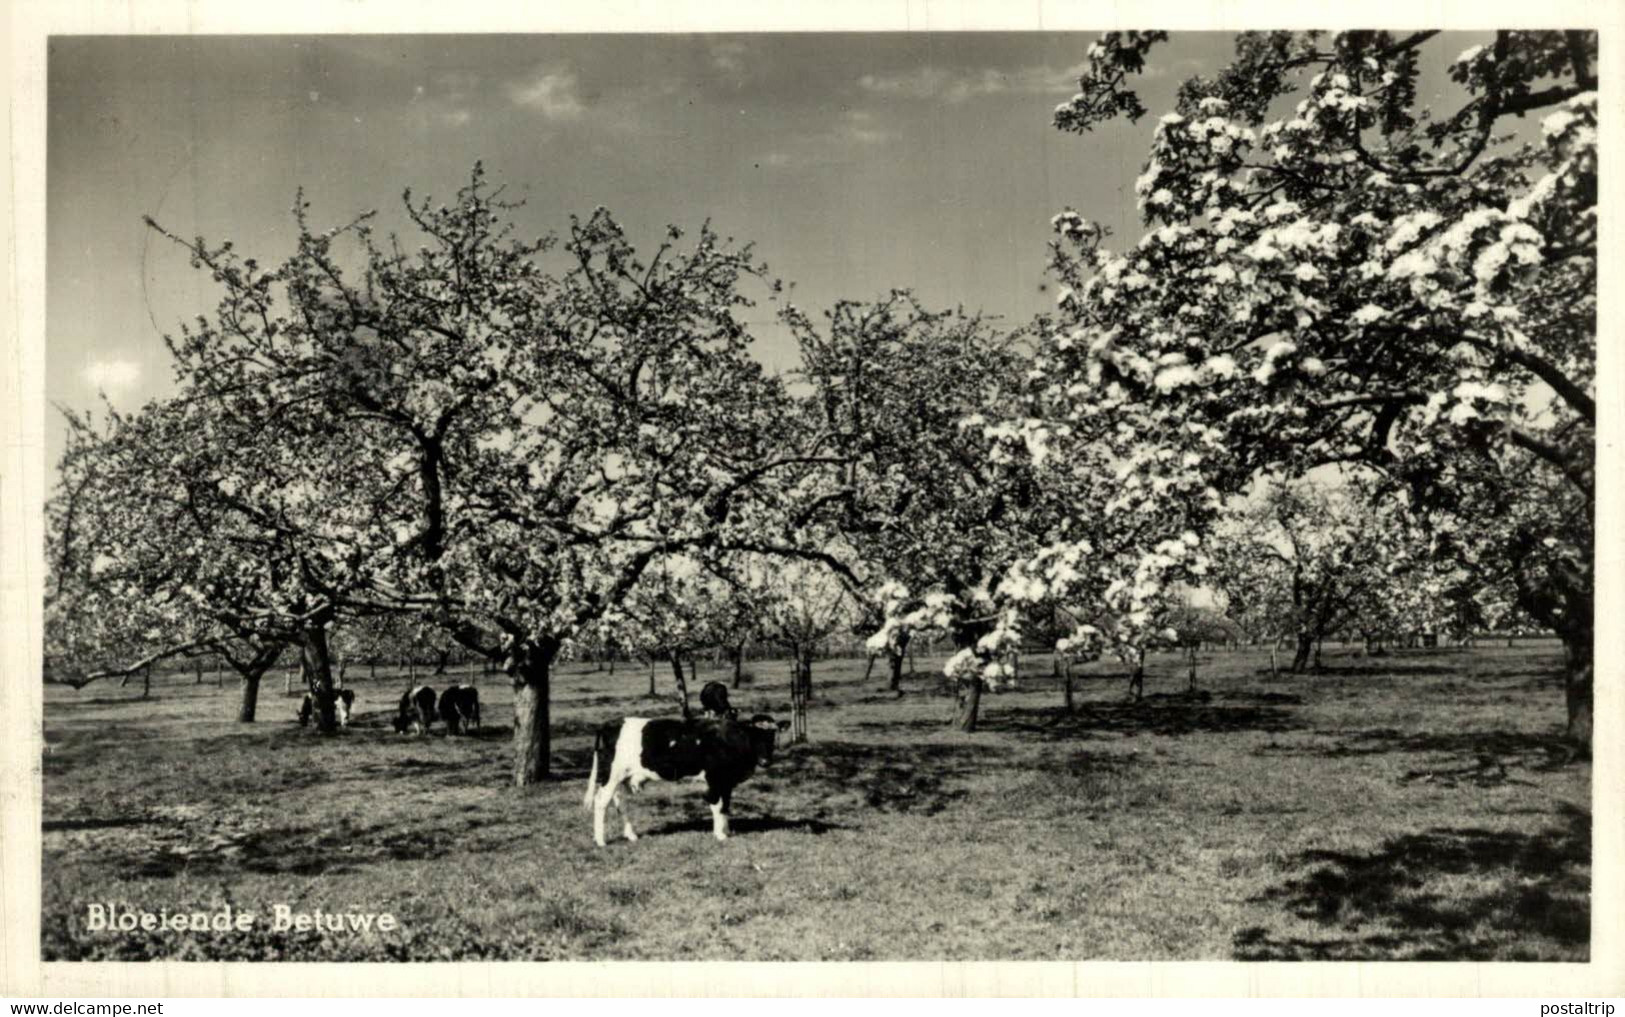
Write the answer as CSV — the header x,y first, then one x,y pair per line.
x,y
603,748
592,778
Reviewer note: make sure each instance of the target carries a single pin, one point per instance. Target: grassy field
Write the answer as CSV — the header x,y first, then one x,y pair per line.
x,y
1414,806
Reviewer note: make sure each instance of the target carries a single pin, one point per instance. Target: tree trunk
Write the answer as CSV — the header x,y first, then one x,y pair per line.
x,y
869,669
251,696
1300,659
1275,671
1318,644
1577,689
1191,652
1066,678
894,656
654,693
316,662
970,703
739,663
1136,682
146,681
252,673
682,682
966,635
799,680
532,731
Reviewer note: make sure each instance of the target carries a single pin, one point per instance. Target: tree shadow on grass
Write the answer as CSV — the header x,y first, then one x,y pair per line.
x,y
57,825
1376,668
291,851
919,778
1538,751
1167,716
1445,894
745,825
76,704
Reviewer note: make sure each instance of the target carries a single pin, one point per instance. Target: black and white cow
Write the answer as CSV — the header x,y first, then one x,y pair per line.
x,y
714,700
343,705
721,751
416,711
460,709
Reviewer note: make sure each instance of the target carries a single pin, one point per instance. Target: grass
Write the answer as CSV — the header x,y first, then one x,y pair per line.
x,y
1415,806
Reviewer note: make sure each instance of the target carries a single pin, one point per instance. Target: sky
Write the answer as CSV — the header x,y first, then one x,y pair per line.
x,y
855,163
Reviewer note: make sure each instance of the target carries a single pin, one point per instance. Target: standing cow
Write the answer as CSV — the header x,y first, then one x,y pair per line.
x,y
722,752
714,701
416,711
460,709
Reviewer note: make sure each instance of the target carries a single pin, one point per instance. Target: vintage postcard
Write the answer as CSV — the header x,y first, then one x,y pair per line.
x,y
872,501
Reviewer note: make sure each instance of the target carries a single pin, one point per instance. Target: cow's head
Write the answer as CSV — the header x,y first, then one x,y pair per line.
x,y
764,736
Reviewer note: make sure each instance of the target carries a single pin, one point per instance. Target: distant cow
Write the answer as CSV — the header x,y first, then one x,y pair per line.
x,y
416,711
343,705
714,700
460,709
721,751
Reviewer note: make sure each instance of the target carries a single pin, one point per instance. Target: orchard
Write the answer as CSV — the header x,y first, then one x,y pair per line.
x,y
1338,399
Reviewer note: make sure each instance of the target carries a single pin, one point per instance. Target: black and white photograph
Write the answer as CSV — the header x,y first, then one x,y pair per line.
x,y
1062,494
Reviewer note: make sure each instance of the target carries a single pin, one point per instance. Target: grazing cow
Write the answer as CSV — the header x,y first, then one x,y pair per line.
x,y
460,709
714,701
416,711
721,751
343,705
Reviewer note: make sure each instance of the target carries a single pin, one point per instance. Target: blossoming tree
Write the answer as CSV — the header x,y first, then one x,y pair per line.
x,y
148,563
935,499
1316,555
1352,276
517,429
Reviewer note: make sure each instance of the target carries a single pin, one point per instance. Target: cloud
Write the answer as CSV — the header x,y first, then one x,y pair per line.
x,y
830,145
112,375
857,125
958,86
550,92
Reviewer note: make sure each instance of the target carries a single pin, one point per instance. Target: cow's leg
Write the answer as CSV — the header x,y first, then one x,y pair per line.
x,y
626,816
600,804
719,812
